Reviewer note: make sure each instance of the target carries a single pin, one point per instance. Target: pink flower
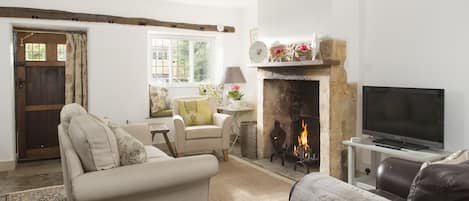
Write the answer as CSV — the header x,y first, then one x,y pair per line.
x,y
278,51
235,88
303,48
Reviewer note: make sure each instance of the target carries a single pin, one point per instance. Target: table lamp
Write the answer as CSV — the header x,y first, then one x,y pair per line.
x,y
233,75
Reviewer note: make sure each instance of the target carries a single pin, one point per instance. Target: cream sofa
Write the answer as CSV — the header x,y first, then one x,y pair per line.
x,y
202,138
161,178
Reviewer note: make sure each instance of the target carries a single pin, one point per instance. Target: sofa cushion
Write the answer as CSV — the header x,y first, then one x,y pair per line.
x,y
205,131
455,158
94,143
154,154
131,150
68,112
158,96
163,113
195,111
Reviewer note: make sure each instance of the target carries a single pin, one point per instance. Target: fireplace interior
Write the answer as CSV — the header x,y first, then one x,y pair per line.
x,y
293,108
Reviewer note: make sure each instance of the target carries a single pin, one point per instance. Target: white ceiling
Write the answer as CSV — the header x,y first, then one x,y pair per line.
x,y
218,3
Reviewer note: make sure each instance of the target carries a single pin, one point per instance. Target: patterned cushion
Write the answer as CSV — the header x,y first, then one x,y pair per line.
x,y
131,151
195,111
212,91
94,143
158,96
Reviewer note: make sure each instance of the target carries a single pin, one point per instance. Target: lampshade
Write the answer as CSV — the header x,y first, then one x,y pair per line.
x,y
233,75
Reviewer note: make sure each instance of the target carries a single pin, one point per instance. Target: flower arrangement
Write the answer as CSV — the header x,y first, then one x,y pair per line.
x,y
234,93
278,53
303,50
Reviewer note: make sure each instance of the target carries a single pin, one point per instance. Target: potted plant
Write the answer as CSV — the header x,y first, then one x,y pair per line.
x,y
235,96
303,51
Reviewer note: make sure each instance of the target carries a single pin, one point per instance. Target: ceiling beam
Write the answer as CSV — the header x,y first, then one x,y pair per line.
x,y
33,13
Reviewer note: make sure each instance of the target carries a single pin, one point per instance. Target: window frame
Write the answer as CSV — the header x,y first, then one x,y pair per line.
x,y
212,40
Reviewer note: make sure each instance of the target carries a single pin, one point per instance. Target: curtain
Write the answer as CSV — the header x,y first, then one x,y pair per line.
x,y
76,70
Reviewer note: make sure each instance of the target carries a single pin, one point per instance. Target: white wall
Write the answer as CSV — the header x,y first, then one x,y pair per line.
x,y
118,57
392,43
287,22
421,44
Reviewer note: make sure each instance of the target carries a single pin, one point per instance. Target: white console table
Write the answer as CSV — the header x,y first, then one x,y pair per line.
x,y
369,182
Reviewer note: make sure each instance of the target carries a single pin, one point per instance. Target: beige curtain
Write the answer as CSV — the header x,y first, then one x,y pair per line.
x,y
76,70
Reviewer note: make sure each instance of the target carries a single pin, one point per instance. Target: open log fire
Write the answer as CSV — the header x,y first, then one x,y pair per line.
x,y
303,150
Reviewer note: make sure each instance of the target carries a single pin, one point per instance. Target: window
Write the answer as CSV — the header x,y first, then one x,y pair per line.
x,y
35,52
181,60
61,52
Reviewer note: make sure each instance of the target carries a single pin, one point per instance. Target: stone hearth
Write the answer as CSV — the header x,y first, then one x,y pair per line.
x,y
337,104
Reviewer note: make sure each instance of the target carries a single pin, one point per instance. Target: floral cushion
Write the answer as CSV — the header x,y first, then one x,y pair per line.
x,y
158,96
131,150
211,91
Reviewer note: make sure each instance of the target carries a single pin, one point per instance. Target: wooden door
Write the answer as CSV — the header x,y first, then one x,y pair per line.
x,y
40,93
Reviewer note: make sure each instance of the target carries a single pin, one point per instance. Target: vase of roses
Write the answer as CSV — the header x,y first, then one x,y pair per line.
x,y
235,96
303,51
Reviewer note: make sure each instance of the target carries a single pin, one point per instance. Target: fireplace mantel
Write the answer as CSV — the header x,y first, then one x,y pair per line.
x,y
295,64
337,103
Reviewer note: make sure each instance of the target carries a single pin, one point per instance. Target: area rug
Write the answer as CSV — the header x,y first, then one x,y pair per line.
x,y
237,180
52,193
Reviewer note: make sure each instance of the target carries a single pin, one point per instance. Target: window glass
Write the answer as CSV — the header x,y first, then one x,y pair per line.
x,y
201,61
61,52
35,52
180,60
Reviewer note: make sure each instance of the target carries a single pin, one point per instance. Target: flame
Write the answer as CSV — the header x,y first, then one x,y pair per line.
x,y
303,137
302,149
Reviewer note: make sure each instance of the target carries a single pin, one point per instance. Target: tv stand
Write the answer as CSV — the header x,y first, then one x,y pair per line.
x,y
368,182
394,144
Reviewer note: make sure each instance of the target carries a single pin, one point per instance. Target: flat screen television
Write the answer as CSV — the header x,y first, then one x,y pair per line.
x,y
407,115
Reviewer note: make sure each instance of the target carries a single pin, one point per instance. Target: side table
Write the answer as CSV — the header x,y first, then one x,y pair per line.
x,y
161,129
235,112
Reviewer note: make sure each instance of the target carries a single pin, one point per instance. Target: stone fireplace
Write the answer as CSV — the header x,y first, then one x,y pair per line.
x,y
309,96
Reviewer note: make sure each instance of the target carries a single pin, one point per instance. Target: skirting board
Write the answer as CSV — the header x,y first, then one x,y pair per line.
x,y
7,165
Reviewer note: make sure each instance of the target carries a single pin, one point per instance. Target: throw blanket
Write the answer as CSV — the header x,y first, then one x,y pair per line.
x,y
321,187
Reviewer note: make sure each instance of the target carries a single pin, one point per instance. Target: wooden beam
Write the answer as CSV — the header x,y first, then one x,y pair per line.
x,y
33,13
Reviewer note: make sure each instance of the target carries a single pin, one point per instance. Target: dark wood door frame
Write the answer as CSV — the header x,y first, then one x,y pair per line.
x,y
36,103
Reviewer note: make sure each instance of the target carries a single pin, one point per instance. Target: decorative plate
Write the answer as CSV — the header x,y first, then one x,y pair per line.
x,y
258,52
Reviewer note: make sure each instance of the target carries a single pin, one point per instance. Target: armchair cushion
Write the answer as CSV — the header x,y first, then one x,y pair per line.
x,y
94,143
205,131
195,111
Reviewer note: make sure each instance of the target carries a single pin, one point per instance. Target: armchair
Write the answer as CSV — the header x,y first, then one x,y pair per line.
x,y
202,138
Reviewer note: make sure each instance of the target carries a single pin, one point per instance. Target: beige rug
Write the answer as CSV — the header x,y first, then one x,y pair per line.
x,y
237,180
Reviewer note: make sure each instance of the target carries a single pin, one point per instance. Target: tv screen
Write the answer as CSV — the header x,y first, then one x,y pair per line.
x,y
404,114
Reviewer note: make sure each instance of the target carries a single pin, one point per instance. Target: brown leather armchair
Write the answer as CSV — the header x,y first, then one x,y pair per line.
x,y
435,182
394,178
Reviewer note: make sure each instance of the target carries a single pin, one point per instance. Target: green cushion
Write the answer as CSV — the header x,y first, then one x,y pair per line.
x,y
163,113
195,111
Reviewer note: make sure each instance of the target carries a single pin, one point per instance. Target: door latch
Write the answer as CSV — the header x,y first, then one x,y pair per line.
x,y
20,84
